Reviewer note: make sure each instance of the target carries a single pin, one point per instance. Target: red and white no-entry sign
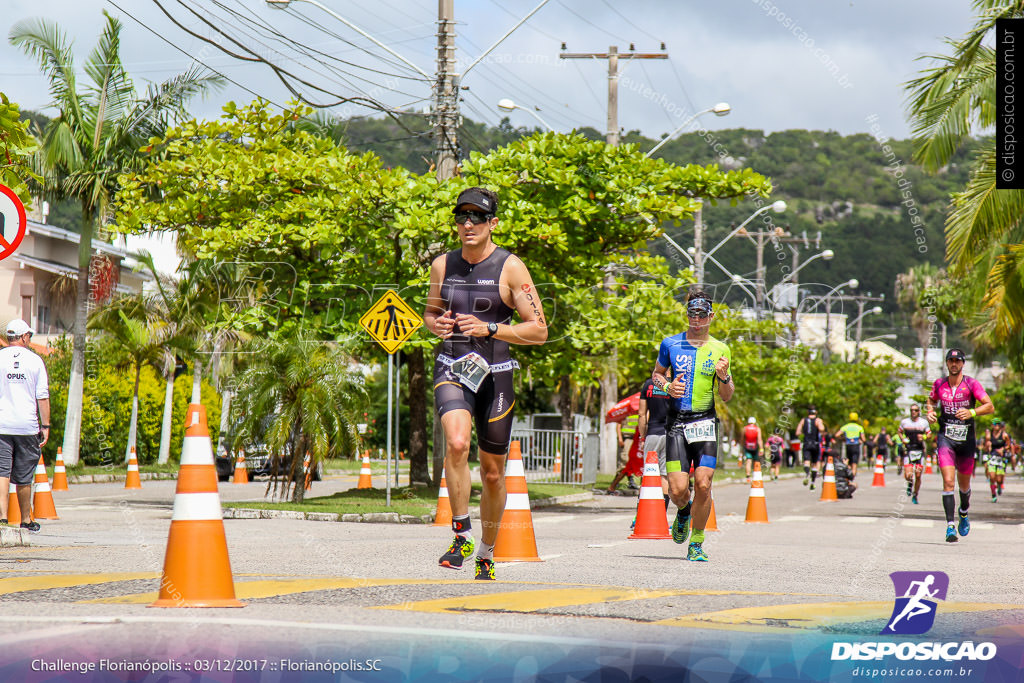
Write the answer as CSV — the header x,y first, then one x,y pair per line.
x,y
13,222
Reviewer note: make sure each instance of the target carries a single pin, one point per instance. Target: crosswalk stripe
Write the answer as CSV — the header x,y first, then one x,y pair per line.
x,y
252,590
919,523
859,520
17,584
795,518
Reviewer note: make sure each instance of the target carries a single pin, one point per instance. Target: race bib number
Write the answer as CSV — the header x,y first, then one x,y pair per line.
x,y
956,432
751,445
471,370
701,430
995,460
915,456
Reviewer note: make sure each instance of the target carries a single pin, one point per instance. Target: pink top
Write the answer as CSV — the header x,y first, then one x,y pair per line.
x,y
949,400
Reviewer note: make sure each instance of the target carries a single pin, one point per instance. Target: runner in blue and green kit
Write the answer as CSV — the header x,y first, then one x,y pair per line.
x,y
698,365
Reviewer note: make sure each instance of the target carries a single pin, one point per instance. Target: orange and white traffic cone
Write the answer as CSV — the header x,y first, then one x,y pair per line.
x,y
757,508
828,482
60,476
241,471
42,501
307,467
516,541
197,570
879,479
928,465
579,470
712,524
13,506
365,475
443,514
131,480
558,465
651,521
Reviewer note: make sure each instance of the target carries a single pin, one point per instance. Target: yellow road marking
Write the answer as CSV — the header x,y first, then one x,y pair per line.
x,y
534,600
251,590
809,616
17,584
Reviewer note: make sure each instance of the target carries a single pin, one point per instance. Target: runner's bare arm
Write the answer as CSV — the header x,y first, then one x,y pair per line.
x,y
516,281
435,317
641,425
725,389
985,407
661,380
800,428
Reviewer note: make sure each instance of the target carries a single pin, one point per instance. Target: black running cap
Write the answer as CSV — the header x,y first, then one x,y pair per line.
x,y
478,199
956,354
812,410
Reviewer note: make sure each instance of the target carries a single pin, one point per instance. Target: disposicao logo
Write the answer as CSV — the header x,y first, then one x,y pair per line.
x,y
916,592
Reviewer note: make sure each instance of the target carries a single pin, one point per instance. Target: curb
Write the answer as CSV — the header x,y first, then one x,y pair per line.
x,y
108,478
12,537
379,517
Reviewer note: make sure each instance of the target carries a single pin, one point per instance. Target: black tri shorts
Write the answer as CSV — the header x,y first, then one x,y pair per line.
x,y
691,440
491,406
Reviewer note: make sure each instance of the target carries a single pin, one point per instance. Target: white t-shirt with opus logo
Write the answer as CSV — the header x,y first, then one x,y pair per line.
x,y
23,381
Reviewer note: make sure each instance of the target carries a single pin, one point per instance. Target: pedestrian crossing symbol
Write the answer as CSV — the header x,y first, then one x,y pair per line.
x,y
390,321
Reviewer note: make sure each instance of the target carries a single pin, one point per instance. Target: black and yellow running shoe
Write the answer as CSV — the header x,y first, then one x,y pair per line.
x,y
484,569
459,550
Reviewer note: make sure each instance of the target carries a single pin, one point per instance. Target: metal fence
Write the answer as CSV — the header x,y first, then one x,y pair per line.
x,y
555,456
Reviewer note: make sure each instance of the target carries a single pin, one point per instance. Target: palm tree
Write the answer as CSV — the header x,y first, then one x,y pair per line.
x,y
95,137
946,104
133,327
912,292
299,399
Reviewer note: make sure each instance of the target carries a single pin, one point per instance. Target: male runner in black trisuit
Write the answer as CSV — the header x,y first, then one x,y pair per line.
x,y
473,292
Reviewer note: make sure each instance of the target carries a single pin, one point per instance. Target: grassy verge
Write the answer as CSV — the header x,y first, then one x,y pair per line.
x,y
406,500
80,470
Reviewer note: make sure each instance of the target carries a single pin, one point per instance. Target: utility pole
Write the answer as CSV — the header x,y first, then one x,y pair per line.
x,y
607,460
760,238
609,381
446,93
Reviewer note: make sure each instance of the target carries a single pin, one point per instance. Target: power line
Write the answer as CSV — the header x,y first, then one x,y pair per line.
x,y
627,20
588,21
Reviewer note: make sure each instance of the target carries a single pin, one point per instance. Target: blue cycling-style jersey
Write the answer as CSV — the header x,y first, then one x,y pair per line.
x,y
696,366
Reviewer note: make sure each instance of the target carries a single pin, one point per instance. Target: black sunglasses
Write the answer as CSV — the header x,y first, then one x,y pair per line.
x,y
474,217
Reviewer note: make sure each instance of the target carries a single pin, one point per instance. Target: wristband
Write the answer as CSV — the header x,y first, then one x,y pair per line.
x,y
974,413
44,426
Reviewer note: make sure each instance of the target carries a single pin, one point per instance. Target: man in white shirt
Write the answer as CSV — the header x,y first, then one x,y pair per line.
x,y
24,418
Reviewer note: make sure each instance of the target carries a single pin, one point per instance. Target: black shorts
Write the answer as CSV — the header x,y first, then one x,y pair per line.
x,y
491,406
776,457
681,454
19,456
853,453
812,452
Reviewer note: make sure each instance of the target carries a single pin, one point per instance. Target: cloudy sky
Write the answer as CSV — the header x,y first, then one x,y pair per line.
x,y
780,64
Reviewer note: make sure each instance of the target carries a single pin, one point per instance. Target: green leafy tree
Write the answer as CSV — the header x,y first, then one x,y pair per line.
x,y
947,103
16,148
915,292
95,137
299,398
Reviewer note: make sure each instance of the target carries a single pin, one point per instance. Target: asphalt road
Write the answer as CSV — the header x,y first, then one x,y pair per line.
x,y
341,594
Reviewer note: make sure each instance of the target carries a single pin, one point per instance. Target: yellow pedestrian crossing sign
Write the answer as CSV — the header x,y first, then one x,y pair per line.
x,y
391,321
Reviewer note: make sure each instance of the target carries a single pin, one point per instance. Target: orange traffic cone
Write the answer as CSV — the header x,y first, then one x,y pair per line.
x,y
42,502
558,465
879,479
241,471
579,469
197,571
365,475
131,481
307,467
828,482
712,524
651,521
757,508
443,515
60,477
516,541
13,506
928,465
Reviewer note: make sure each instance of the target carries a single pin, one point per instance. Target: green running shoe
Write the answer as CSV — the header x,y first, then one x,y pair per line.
x,y
459,550
680,533
965,525
994,499
696,553
951,533
484,570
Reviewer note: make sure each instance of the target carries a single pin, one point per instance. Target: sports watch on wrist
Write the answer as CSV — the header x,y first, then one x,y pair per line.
x,y
492,329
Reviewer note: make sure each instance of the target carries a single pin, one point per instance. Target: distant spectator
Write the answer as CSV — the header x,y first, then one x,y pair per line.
x,y
844,480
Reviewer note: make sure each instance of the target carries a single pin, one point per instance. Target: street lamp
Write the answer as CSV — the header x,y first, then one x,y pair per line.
x,y
508,105
720,109
738,280
856,348
852,284
828,255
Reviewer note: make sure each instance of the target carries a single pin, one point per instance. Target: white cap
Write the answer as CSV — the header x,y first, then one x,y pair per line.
x,y
18,327
751,420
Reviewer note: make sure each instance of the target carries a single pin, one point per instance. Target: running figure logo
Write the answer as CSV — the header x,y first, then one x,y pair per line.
x,y
916,592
